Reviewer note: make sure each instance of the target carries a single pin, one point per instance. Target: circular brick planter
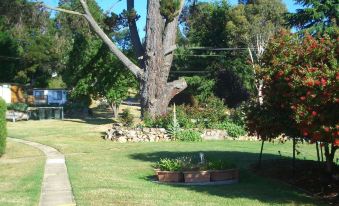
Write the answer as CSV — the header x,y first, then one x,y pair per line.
x,y
198,177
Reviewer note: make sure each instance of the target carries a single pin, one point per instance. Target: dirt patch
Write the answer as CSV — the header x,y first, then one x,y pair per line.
x,y
309,176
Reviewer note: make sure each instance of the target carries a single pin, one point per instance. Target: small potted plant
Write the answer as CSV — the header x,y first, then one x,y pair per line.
x,y
222,170
169,170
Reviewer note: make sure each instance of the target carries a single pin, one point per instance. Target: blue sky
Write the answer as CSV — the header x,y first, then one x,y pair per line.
x,y
140,6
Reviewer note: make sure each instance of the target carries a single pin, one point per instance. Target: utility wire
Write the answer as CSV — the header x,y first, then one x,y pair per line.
x,y
7,57
201,55
217,49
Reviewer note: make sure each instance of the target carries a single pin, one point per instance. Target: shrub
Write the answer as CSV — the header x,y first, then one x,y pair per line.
x,y
238,115
300,91
175,164
219,165
233,130
192,163
127,118
20,107
158,122
3,129
188,136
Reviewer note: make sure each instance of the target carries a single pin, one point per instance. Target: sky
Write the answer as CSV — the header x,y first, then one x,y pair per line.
x,y
140,6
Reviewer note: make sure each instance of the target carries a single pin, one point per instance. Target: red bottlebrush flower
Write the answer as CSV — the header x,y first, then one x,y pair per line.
x,y
310,83
280,73
314,113
326,129
312,69
317,82
305,134
323,82
302,98
336,142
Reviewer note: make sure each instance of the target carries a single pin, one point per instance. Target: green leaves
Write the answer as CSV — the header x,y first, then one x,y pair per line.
x,y
318,16
300,88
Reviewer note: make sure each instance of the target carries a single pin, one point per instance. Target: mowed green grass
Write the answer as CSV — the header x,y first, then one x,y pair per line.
x,y
108,173
21,172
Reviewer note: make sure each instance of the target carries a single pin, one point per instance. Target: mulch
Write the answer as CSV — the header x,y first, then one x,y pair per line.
x,y
309,176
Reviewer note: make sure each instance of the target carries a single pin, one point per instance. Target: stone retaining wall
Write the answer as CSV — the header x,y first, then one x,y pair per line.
x,y
122,134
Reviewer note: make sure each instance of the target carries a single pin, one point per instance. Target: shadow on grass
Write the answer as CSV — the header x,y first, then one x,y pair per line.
x,y
250,185
94,121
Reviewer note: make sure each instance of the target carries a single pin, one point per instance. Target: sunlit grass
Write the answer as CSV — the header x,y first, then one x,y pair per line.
x,y
107,173
21,172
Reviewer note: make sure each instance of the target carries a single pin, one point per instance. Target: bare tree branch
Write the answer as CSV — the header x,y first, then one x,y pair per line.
x,y
139,49
61,10
112,47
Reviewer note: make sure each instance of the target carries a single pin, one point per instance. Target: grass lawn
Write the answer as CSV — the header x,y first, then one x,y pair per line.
x,y
107,173
21,172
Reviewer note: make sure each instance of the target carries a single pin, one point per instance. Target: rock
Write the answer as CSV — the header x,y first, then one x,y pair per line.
x,y
122,139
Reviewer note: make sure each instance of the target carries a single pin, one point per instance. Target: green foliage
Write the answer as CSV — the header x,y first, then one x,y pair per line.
x,y
167,164
213,164
233,129
20,107
205,115
164,121
127,118
301,88
316,16
188,136
56,83
92,69
169,9
238,115
192,162
3,128
174,128
200,87
32,50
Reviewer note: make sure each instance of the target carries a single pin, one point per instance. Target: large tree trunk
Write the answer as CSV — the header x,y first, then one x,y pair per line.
x,y
154,61
156,92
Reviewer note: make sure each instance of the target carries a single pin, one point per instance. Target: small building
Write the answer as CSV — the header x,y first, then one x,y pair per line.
x,y
49,96
12,93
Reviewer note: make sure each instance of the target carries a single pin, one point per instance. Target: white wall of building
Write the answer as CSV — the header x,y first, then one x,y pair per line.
x,y
5,93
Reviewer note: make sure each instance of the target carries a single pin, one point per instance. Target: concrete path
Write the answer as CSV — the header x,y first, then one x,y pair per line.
x,y
56,189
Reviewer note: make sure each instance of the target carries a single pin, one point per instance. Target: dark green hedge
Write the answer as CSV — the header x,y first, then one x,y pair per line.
x,y
3,129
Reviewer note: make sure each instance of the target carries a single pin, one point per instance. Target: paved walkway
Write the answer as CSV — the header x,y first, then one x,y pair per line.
x,y
56,189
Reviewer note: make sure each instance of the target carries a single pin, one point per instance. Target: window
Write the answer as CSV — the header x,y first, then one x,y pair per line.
x,y
57,95
39,95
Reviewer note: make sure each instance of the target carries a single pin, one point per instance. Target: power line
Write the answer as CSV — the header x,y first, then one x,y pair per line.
x,y
218,49
8,57
201,55
190,72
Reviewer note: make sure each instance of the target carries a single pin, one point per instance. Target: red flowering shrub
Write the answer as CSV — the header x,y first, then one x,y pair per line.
x,y
300,90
